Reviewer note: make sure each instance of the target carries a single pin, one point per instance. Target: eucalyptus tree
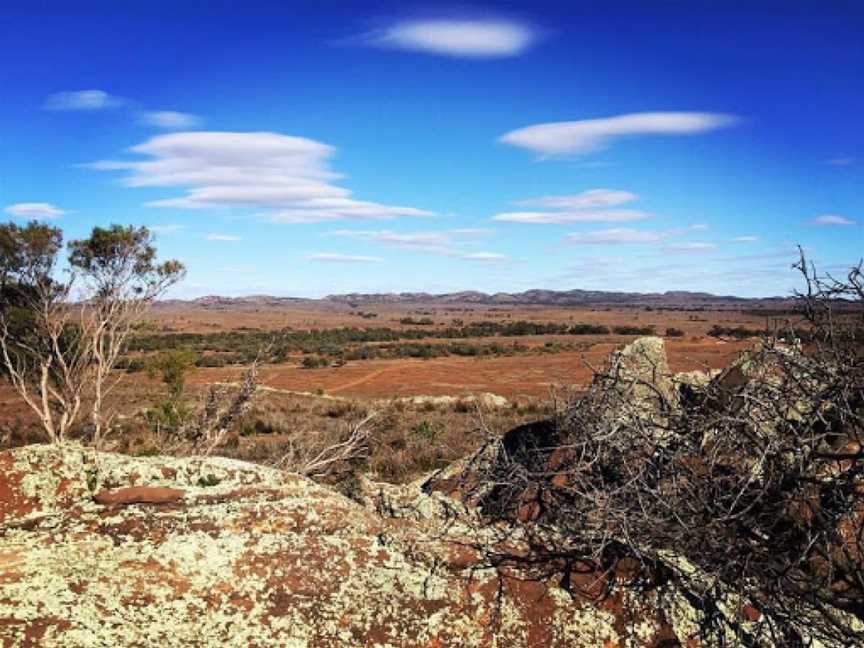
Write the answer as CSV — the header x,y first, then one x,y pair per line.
x,y
44,354
121,277
55,351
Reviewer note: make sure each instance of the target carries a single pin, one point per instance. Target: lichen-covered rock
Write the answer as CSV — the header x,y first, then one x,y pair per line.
x,y
752,364
486,400
696,379
250,556
642,370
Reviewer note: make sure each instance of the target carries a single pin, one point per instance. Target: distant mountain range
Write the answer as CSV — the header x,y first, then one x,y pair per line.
x,y
555,298
678,298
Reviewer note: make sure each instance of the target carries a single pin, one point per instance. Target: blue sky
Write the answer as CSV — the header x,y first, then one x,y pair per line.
x,y
372,146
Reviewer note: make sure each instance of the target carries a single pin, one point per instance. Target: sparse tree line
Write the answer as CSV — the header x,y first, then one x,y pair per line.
x,y
332,346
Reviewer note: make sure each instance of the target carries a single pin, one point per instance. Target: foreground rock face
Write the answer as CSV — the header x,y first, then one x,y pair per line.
x,y
111,550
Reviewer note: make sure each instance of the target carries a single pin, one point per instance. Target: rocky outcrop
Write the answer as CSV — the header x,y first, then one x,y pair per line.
x,y
485,400
641,371
636,385
99,549
110,550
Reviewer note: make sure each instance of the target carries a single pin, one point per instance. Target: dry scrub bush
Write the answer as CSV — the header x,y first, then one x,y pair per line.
x,y
332,459
745,495
205,430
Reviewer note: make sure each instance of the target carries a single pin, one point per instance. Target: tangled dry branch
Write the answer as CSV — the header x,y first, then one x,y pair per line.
x,y
744,492
333,458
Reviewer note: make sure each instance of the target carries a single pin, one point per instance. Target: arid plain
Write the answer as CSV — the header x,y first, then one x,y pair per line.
x,y
423,382
529,374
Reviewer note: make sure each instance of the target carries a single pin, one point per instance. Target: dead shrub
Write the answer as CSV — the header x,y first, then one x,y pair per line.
x,y
747,495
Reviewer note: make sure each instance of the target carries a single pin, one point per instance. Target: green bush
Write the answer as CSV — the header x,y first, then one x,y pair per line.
x,y
135,365
315,362
738,332
633,330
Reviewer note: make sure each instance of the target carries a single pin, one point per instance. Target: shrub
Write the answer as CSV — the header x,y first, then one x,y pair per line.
x,y
633,330
315,362
588,329
738,332
427,430
172,367
135,365
340,410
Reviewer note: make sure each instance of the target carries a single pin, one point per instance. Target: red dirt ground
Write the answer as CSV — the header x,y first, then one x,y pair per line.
x,y
511,377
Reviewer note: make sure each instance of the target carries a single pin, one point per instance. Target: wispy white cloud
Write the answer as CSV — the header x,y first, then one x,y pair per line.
x,y
629,236
169,119
592,206
37,210
222,237
599,216
335,257
745,239
82,100
287,177
485,257
616,236
588,135
590,199
441,242
832,219
464,38
689,247
166,229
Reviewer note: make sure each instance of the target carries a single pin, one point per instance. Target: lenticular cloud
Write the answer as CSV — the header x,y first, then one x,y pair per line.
x,y
587,135
478,38
288,178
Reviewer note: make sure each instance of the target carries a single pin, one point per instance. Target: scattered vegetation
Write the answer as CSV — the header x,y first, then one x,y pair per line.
x,y
350,343
633,330
737,332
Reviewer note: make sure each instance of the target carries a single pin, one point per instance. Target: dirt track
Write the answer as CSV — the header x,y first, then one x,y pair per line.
x,y
512,377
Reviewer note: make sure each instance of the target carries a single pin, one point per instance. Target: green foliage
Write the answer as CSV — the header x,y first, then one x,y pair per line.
x,y
122,257
167,417
738,332
674,332
633,330
28,256
410,321
427,430
315,362
246,344
134,365
248,429
172,367
28,253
